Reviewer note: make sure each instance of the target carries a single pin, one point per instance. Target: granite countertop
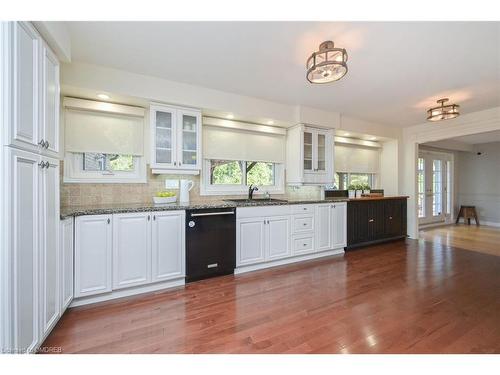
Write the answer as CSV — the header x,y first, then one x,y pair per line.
x,y
106,209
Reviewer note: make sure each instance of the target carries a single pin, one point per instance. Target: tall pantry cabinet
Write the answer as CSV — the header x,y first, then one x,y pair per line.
x,y
30,294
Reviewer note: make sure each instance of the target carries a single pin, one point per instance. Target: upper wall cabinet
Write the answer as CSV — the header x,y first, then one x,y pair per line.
x,y
309,157
30,85
176,140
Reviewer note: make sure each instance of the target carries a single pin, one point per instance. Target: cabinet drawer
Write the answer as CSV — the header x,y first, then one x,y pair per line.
x,y
303,244
303,223
303,209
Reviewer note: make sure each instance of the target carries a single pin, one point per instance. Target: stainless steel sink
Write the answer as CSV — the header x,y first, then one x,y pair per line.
x,y
257,200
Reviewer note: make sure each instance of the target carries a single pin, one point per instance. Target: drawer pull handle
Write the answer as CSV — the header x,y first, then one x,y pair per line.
x,y
213,265
371,221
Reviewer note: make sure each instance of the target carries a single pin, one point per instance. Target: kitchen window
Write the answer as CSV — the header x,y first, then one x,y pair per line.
x,y
103,168
343,180
234,177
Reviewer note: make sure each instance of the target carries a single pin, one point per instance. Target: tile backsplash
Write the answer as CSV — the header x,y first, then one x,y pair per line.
x,y
76,194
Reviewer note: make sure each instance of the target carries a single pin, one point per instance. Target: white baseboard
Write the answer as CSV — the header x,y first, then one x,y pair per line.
x,y
490,223
281,262
127,292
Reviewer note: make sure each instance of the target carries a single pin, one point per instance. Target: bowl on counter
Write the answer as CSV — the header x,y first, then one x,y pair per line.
x,y
164,200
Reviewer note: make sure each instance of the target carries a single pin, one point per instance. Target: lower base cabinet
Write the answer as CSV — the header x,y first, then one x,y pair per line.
x,y
66,262
115,252
93,255
375,221
265,234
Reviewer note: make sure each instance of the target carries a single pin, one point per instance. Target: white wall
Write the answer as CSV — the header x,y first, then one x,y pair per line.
x,y
479,181
389,167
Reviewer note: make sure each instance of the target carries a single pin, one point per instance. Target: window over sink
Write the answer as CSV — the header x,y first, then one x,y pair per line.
x,y
234,176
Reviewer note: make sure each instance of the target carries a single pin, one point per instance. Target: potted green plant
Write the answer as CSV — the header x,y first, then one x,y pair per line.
x,y
366,189
352,191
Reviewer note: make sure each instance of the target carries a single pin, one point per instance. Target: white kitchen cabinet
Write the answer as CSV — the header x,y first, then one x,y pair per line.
x,y
131,249
278,237
339,225
23,241
251,238
66,263
49,125
176,139
93,255
32,89
313,164
49,245
168,245
324,227
261,239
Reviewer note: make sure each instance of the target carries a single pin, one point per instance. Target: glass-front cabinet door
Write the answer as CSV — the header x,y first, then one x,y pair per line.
x,y
163,136
189,139
308,151
176,139
321,152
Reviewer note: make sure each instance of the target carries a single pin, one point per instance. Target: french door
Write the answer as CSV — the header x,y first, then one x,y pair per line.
x,y
433,186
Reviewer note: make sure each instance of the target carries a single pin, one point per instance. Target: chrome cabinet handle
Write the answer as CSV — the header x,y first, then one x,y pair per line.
x,y
213,213
109,221
42,143
390,217
175,163
41,164
371,221
149,217
154,217
47,164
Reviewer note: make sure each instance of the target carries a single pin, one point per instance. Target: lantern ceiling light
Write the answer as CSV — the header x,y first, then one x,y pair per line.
x,y
329,64
443,112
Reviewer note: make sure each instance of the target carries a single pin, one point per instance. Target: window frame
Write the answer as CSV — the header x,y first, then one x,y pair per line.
x,y
74,172
372,179
206,188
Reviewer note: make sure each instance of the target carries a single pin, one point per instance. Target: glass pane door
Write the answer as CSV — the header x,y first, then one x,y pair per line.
x,y
321,153
308,151
421,187
437,188
164,133
189,140
433,178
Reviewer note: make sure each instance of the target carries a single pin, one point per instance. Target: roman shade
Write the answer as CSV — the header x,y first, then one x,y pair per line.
x,y
230,143
88,129
356,159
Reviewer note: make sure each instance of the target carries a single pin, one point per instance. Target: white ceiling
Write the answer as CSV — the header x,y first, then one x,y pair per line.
x,y
475,139
396,69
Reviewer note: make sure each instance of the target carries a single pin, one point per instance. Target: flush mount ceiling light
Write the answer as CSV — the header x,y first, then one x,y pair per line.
x,y
443,112
329,64
103,96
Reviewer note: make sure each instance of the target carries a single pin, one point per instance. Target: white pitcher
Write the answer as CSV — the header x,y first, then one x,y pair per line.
x,y
185,187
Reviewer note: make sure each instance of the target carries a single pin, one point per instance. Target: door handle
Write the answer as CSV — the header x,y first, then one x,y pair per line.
x,y
213,213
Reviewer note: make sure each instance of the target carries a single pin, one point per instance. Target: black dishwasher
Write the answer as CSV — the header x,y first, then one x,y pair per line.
x,y
210,242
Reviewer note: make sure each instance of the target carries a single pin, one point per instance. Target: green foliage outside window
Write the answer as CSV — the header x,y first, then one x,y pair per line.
x,y
224,172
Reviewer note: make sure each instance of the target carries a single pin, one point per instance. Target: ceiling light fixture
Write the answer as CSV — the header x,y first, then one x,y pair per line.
x,y
443,112
270,122
329,64
230,116
103,96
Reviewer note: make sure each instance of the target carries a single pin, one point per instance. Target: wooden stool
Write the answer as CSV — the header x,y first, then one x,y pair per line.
x,y
467,212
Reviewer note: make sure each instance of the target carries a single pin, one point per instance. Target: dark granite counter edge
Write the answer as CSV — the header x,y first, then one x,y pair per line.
x,y
80,211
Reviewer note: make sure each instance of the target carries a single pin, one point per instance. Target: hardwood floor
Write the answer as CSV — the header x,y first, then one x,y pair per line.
x,y
413,297
481,238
